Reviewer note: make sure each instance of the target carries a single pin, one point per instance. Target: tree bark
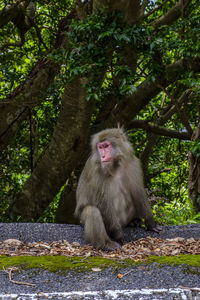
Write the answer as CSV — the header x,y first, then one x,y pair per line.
x,y
173,14
194,172
12,11
32,91
194,181
159,130
67,203
130,9
13,109
68,141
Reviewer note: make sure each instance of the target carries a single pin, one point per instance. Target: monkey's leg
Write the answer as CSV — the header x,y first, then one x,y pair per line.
x,y
94,229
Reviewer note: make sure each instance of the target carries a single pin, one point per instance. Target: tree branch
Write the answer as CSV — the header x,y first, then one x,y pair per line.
x,y
196,133
17,44
39,34
129,107
152,175
158,130
155,9
172,14
152,138
182,114
10,12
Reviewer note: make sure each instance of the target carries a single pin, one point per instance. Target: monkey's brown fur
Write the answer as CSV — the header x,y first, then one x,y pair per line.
x,y
110,197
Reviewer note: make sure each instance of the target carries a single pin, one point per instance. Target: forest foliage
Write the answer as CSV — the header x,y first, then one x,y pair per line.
x,y
71,68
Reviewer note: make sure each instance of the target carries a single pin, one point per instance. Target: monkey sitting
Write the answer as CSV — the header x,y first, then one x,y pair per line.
x,y
110,192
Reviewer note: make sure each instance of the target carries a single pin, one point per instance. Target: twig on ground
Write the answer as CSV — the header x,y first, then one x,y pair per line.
x,y
9,272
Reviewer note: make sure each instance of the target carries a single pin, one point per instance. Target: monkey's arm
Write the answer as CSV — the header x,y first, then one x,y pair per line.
x,y
85,190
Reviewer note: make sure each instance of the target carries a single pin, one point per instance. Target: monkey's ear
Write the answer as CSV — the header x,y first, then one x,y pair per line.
x,y
121,128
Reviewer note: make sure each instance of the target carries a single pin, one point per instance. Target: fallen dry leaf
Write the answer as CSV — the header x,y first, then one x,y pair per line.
x,y
12,242
135,250
96,269
156,250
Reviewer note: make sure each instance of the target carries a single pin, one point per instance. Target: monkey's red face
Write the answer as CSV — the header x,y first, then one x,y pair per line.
x,y
104,150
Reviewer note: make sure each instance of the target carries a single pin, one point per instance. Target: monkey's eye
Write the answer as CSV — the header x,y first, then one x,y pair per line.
x,y
103,145
99,146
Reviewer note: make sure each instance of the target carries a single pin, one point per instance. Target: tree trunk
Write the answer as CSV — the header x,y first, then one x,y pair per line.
x,y
69,138
67,204
130,9
194,181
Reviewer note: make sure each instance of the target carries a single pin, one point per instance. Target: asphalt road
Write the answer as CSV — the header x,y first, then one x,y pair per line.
x,y
143,282
33,232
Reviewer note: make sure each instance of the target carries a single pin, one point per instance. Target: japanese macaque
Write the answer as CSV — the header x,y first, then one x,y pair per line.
x,y
110,192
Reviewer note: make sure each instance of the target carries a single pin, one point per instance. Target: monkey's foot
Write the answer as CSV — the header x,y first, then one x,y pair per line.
x,y
111,246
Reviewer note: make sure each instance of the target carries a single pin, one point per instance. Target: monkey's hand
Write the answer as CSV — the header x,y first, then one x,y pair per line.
x,y
136,223
155,228
117,235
